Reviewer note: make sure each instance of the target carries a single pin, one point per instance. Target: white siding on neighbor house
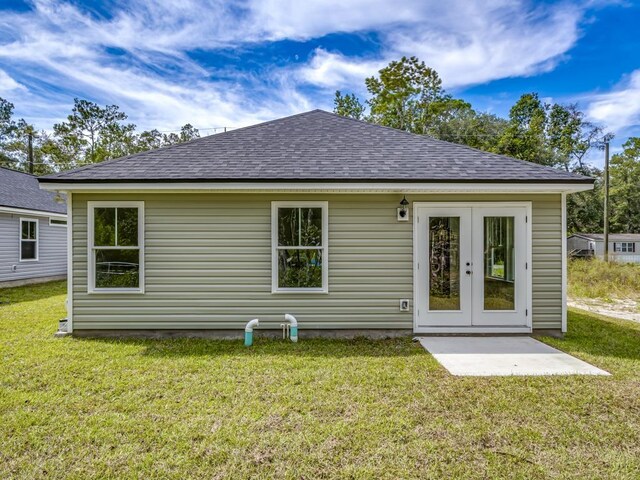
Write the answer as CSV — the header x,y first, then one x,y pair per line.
x,y
208,263
52,249
618,256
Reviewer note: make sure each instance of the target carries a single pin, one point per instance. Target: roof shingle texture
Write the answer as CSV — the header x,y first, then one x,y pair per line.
x,y
21,190
317,146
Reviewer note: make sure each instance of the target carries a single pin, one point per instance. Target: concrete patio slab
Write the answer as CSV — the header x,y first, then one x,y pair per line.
x,y
502,356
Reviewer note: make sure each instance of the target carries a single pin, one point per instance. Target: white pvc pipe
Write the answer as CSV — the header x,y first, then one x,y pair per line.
x,y
251,325
291,319
248,332
294,326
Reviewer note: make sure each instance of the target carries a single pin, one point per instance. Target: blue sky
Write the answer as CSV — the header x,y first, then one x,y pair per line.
x,y
220,63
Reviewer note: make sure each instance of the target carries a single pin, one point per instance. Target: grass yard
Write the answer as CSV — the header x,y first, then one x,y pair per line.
x,y
598,279
80,408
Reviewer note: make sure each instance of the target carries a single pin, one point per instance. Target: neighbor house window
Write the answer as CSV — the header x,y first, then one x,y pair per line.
x,y
300,254
28,240
116,247
624,247
57,222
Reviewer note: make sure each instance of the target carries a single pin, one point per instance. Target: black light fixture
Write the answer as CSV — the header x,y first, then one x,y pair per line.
x,y
403,212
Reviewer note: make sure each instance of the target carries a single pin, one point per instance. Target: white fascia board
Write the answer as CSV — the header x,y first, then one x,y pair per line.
x,y
327,187
38,213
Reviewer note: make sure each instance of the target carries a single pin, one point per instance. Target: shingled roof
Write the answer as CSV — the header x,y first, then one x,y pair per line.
x,y
21,190
316,146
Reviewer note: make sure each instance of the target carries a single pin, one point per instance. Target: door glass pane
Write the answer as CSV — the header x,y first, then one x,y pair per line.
x,y
444,263
499,263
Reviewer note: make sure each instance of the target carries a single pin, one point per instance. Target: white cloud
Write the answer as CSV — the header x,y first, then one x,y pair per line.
x,y
466,42
8,84
618,109
138,56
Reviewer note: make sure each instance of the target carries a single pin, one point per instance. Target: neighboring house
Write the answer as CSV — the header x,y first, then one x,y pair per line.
x,y
623,247
304,215
33,231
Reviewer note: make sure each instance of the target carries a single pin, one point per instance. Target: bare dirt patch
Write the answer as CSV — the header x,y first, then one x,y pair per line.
x,y
625,309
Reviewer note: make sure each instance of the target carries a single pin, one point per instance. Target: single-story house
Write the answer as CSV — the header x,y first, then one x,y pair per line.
x,y
623,247
351,227
33,231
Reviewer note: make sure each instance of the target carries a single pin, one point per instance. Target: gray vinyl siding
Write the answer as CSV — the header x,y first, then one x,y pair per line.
x,y
208,263
52,245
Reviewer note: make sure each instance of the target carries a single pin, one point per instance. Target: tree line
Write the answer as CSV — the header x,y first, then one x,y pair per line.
x,y
90,134
408,95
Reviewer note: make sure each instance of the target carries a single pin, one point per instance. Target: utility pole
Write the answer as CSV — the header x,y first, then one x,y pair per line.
x,y
606,200
30,151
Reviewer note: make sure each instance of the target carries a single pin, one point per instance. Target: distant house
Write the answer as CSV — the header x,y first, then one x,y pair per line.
x,y
33,231
623,247
354,228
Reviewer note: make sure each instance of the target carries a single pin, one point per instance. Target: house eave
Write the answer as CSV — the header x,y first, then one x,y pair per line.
x,y
318,187
27,211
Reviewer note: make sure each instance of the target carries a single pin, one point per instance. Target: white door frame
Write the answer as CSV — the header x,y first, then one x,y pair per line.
x,y
527,328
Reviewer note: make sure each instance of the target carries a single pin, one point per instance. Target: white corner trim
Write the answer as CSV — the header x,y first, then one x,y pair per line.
x,y
69,262
91,288
320,187
324,205
563,203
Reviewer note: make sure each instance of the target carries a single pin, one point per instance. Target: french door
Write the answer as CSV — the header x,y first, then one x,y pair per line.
x,y
472,266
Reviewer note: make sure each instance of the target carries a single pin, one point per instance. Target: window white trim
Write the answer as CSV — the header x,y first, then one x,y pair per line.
x,y
91,249
36,241
324,247
52,224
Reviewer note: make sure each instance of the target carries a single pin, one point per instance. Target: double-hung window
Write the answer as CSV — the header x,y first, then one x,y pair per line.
x,y
116,247
624,247
299,247
28,240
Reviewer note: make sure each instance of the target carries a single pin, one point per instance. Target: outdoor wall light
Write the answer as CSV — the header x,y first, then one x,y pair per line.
x,y
403,211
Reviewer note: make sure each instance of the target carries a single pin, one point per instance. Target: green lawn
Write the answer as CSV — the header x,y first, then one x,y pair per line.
x,y
80,408
598,279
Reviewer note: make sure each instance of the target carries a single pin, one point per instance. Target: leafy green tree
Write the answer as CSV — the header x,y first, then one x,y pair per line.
x,y
585,210
149,140
468,127
406,95
187,133
90,133
570,136
348,106
7,131
625,188
525,135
